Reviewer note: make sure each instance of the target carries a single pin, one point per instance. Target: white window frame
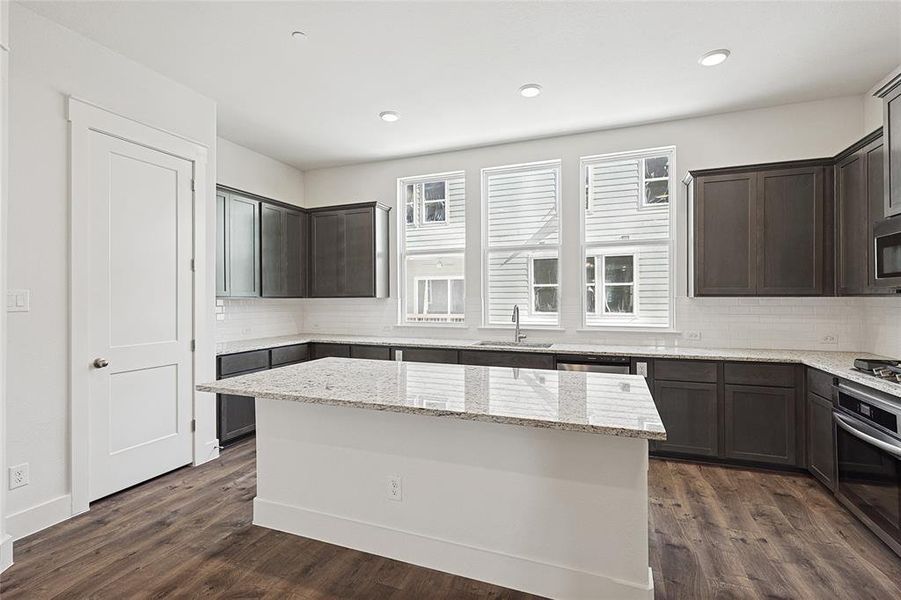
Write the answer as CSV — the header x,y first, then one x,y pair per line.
x,y
600,285
643,203
622,321
423,310
411,203
403,253
533,285
423,202
556,165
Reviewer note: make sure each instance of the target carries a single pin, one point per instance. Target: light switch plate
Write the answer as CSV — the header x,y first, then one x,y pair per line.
x,y
18,300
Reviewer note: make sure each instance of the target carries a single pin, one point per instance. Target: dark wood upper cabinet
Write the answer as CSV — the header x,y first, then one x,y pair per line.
x,y
875,158
761,231
274,250
851,225
725,217
284,252
221,243
859,205
349,251
790,220
891,120
242,246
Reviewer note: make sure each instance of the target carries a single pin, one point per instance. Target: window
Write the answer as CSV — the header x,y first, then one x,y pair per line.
x,y
615,287
425,202
435,296
545,289
628,239
521,244
431,242
655,180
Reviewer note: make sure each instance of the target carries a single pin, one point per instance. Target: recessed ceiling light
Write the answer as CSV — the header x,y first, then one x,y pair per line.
x,y
389,116
530,90
298,35
714,57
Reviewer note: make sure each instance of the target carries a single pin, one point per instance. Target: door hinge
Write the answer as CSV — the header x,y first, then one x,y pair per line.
x,y
193,265
193,424
193,345
193,185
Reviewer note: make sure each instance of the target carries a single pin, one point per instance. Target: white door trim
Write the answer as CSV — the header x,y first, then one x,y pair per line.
x,y
84,118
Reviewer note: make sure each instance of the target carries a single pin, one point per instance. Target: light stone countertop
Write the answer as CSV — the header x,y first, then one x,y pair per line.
x,y
602,403
839,364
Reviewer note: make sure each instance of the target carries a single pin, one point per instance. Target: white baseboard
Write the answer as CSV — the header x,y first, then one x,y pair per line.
x,y
515,572
31,520
6,552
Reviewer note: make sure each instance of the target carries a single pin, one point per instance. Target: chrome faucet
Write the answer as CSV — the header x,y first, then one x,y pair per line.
x,y
518,336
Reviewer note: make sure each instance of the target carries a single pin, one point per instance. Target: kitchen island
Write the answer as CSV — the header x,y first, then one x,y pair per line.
x,y
530,479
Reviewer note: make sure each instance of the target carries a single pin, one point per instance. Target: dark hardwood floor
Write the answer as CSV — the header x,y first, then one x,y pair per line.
x,y
715,532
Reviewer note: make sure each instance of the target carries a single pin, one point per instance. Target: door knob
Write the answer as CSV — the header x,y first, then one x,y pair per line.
x,y
100,363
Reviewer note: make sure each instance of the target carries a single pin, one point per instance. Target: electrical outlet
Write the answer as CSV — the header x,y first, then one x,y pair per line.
x,y
692,335
18,476
641,368
829,339
395,489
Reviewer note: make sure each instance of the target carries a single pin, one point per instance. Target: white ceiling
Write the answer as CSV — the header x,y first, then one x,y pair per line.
x,y
452,70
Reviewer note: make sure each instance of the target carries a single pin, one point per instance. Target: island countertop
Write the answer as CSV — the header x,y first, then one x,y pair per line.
x,y
603,403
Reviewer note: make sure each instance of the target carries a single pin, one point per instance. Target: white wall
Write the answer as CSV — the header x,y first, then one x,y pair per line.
x,y
6,554
250,171
807,130
47,64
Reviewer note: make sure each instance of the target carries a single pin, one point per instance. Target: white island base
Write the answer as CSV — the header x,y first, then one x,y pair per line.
x,y
562,514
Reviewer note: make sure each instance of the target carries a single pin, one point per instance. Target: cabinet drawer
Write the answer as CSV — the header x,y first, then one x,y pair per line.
x,y
287,355
760,374
232,364
371,352
325,350
524,360
820,383
428,355
685,370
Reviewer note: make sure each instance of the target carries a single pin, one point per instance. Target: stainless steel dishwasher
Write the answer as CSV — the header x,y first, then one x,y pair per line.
x,y
594,364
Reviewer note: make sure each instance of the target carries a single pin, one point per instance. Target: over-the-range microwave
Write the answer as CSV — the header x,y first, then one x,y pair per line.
x,y
887,240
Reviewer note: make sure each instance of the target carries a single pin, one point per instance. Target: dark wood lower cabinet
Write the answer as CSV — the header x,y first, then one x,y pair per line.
x,y
236,417
820,440
326,350
371,352
759,424
689,413
523,360
427,355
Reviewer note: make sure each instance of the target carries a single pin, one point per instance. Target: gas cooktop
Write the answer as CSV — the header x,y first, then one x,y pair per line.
x,y
889,370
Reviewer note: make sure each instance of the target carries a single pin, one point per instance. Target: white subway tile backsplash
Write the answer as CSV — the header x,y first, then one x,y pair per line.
x,y
864,324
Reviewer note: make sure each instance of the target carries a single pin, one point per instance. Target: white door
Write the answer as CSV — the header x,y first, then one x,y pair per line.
x,y
139,321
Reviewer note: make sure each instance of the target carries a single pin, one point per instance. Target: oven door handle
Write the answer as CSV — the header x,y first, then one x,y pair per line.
x,y
883,442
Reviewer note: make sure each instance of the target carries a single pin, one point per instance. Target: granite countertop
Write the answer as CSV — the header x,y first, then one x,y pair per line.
x,y
602,403
839,364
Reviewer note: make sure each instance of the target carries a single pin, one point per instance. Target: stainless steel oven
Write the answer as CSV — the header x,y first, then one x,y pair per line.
x,y
868,454
887,240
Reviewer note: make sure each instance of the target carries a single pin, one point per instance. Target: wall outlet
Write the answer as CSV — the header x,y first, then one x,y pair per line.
x,y
829,339
641,368
692,335
18,476
395,488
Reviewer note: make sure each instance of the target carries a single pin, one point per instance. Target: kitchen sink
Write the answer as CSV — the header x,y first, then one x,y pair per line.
x,y
513,345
